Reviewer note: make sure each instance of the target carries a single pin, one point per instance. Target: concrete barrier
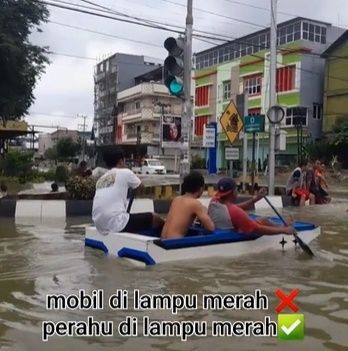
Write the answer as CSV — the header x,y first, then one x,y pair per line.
x,y
40,209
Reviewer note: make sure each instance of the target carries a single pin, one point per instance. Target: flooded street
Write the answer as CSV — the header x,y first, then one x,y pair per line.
x,y
39,259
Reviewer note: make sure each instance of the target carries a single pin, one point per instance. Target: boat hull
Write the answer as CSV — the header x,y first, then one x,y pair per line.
x,y
151,250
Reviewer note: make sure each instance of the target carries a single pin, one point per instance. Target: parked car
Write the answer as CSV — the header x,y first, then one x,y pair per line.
x,y
150,166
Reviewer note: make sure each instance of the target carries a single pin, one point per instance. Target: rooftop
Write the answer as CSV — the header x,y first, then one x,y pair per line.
x,y
296,29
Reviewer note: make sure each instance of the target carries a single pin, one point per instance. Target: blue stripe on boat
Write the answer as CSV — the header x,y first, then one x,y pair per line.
x,y
218,237
299,226
96,244
137,255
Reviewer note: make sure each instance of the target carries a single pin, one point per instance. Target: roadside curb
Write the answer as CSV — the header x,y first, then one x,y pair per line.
x,y
41,209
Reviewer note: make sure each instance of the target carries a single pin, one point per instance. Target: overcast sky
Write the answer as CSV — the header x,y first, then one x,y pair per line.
x,y
66,89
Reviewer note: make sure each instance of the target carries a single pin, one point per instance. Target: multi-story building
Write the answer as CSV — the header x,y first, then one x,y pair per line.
x,y
336,83
224,71
47,141
113,74
140,110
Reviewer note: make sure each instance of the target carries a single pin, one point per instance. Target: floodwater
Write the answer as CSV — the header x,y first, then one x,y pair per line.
x,y
37,259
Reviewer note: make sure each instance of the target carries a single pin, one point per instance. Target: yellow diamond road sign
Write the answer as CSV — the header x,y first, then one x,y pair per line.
x,y
231,122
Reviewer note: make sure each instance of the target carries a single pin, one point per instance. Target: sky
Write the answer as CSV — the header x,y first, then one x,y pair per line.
x,y
65,92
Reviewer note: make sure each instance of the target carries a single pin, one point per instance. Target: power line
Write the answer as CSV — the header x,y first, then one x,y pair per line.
x,y
160,26
107,16
143,20
72,56
217,14
110,10
94,59
105,34
268,10
52,114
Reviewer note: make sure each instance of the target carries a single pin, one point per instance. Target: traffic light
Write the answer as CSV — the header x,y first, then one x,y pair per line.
x,y
174,65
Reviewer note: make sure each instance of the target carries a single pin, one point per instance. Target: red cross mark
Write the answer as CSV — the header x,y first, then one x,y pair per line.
x,y
286,300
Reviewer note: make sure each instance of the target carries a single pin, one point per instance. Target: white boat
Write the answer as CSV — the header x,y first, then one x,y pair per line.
x,y
149,249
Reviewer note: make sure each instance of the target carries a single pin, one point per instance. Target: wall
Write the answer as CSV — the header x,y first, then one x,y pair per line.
x,y
130,66
312,90
336,88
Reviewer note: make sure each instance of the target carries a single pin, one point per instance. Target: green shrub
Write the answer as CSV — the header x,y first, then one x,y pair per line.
x,y
50,175
80,188
17,164
198,162
61,174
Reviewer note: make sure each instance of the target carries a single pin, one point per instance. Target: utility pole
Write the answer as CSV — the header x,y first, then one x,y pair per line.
x,y
272,95
186,120
245,141
83,136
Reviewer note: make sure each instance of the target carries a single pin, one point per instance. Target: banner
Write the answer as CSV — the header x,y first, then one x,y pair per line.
x,y
171,131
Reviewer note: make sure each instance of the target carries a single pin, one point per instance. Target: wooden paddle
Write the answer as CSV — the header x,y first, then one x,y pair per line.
x,y
131,199
303,246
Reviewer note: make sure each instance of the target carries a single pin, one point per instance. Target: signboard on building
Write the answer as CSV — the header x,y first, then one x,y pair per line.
x,y
231,153
171,132
231,122
254,124
208,136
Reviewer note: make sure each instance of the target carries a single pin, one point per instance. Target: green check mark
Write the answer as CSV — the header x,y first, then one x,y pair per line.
x,y
290,326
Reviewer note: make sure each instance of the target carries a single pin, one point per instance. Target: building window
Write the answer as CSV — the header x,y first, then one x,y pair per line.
x,y
286,78
253,84
202,96
200,121
296,116
313,32
254,112
227,90
137,105
317,111
215,57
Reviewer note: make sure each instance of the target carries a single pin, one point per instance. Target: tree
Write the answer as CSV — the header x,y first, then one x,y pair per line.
x,y
67,149
21,63
17,164
340,132
51,153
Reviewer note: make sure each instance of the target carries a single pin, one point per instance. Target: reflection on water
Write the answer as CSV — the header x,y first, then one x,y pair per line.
x,y
44,258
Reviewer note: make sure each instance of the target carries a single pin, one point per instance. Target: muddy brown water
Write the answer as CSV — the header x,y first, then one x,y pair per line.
x,y
37,259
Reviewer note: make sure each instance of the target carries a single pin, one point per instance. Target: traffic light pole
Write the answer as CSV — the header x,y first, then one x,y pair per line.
x,y
273,96
186,120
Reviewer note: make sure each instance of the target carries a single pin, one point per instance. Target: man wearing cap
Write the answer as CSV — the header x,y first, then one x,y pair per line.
x,y
227,215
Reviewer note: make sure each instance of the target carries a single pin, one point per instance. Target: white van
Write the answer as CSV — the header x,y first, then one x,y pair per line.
x,y
151,166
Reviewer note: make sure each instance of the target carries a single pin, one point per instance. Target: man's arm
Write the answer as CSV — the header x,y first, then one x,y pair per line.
x,y
247,205
323,180
202,213
245,224
134,181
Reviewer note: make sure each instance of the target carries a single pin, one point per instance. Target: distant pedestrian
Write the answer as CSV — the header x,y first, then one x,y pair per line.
x,y
3,190
54,187
296,185
82,170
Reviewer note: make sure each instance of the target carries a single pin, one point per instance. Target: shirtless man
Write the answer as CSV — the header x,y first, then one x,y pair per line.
x,y
185,208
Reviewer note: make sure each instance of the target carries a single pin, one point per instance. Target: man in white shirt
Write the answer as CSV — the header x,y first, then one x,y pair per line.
x,y
109,211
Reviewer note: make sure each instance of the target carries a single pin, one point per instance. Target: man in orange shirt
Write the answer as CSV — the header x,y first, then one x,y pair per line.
x,y
227,215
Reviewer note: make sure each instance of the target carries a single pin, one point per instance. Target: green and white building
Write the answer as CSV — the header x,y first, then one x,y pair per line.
x,y
223,72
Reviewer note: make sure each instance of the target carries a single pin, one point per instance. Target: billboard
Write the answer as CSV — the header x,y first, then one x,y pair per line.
x,y
171,131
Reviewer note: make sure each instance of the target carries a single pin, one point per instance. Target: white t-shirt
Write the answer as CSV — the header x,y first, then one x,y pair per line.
x,y
109,212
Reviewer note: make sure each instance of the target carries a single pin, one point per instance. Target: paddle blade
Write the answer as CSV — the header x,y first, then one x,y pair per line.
x,y
304,246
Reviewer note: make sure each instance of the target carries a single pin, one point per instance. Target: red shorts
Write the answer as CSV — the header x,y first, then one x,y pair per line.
x,y
302,192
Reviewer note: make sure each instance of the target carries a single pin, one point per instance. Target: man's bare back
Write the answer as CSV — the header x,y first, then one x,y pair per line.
x,y
183,211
